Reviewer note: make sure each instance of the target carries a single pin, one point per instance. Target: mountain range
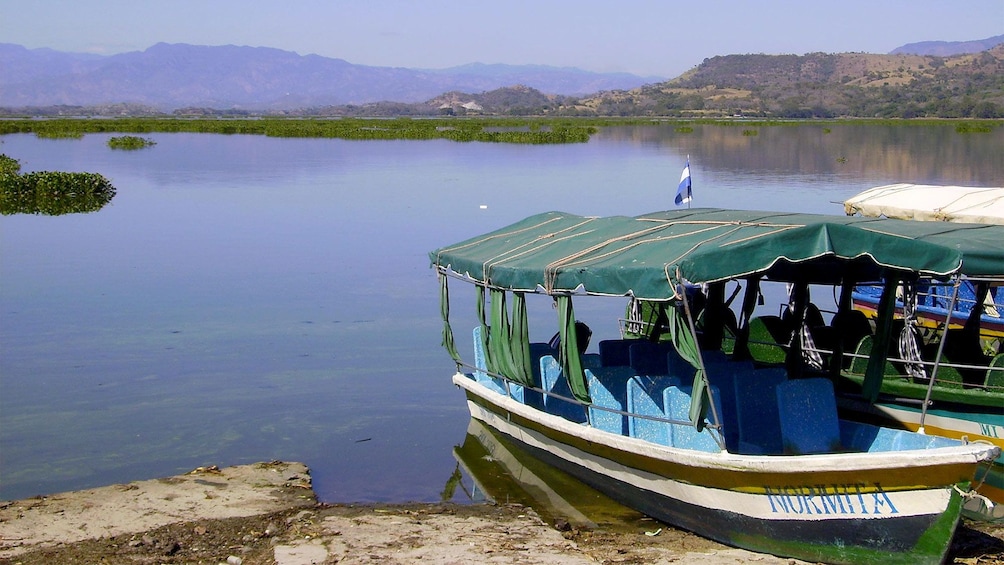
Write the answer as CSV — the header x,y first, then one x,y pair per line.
x,y
948,48
169,76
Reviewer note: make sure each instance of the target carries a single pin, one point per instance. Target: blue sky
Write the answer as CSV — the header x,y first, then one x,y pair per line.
x,y
648,37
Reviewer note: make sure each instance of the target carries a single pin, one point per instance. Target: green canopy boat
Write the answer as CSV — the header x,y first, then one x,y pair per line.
x,y
677,418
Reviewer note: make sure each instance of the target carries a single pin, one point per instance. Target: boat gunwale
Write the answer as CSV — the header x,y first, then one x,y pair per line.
x,y
964,454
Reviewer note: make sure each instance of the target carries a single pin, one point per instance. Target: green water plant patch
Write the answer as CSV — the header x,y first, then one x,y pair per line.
x,y
130,142
50,193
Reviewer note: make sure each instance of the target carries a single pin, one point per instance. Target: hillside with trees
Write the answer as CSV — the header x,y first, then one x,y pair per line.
x,y
821,85
816,85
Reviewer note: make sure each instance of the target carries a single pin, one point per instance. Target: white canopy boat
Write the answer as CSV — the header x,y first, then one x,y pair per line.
x,y
958,327
924,202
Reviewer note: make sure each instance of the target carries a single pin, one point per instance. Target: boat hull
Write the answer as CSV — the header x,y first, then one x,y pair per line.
x,y
814,508
959,422
934,318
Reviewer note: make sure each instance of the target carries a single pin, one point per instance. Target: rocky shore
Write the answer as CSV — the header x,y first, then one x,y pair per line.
x,y
267,513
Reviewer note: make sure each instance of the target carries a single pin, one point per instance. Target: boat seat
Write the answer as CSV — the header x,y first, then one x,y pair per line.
x,y
723,373
608,389
807,410
481,366
645,397
729,329
677,400
813,317
677,366
590,360
856,436
758,421
537,351
714,356
859,365
825,338
964,346
517,392
614,352
851,326
768,340
948,376
553,381
649,357
995,373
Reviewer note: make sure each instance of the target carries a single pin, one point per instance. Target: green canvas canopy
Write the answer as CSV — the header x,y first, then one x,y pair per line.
x,y
648,256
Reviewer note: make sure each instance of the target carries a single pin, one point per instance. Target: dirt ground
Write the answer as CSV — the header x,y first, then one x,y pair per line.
x,y
267,514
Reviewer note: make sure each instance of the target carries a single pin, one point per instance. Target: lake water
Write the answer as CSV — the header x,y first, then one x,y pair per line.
x,y
244,298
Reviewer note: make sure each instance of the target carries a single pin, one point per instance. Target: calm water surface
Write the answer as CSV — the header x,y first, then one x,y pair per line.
x,y
246,298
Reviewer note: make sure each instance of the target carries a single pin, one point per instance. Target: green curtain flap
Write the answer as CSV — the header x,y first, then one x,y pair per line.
x,y
571,362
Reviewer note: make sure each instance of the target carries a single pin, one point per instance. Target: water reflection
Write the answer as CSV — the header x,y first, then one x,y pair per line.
x,y
923,154
246,298
502,473
22,202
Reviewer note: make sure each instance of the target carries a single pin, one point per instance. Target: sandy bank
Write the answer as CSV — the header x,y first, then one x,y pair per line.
x,y
267,513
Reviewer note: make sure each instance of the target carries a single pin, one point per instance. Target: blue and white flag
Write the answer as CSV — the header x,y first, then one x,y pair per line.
x,y
683,193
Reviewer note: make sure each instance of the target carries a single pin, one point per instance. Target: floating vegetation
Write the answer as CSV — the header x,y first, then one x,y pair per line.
x,y
534,130
973,128
60,134
494,130
50,193
8,166
130,142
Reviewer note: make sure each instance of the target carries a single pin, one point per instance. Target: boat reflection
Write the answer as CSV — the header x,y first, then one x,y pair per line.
x,y
493,470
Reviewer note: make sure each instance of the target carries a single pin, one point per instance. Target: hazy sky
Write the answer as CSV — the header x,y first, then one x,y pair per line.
x,y
649,37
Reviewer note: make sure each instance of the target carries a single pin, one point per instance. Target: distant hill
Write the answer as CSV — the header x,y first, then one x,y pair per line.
x,y
821,85
169,76
948,48
516,100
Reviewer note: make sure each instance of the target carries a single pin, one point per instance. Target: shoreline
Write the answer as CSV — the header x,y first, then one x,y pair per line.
x,y
267,513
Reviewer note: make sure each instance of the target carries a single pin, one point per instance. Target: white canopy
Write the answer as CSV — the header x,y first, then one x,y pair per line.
x,y
976,205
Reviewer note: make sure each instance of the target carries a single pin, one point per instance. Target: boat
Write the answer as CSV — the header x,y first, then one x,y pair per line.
x,y
926,202
958,328
675,426
932,301
933,203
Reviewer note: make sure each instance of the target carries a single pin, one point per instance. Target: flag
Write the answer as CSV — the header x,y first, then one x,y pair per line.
x,y
683,193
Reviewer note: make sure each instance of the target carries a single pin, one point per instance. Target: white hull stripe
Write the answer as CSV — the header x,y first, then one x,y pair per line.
x,y
801,503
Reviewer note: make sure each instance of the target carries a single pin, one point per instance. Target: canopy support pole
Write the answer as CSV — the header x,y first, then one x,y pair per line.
x,y
941,349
